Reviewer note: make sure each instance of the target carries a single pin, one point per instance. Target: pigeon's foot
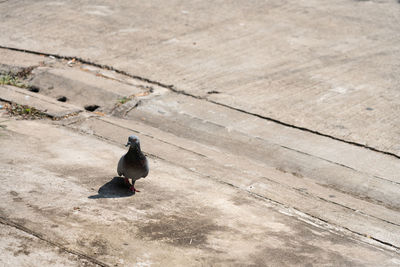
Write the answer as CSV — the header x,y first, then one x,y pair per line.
x,y
133,189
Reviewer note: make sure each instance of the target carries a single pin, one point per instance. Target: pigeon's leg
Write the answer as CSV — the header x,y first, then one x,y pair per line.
x,y
132,188
127,181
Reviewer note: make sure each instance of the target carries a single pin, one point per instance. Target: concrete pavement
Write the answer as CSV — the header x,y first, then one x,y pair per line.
x,y
272,141
221,191
59,186
329,66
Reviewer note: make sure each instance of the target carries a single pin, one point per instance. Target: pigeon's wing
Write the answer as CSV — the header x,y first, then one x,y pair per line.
x,y
120,168
145,165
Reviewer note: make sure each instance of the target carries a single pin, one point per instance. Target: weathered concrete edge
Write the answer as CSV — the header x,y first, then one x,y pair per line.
x,y
47,105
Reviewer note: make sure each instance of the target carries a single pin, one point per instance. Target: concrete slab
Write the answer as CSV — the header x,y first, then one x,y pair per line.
x,y
251,148
47,105
66,193
328,66
20,60
349,187
333,205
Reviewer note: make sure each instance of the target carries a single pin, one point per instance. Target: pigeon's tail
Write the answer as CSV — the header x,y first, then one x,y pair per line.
x,y
119,168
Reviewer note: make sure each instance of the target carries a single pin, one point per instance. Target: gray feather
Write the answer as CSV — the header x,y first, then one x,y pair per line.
x,y
133,164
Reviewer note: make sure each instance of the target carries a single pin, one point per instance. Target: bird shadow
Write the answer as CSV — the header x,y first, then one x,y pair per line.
x,y
116,188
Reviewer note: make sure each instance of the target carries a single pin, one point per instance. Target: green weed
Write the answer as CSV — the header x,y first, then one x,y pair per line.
x,y
123,100
7,79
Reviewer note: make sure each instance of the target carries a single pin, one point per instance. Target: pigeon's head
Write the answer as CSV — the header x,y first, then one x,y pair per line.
x,y
133,140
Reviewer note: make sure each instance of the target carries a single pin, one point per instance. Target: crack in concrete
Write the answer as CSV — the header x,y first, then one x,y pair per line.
x,y
172,88
87,62
150,136
6,221
341,165
131,108
330,224
306,129
330,201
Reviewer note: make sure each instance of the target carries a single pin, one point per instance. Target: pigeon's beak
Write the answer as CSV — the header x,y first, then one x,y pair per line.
x,y
128,144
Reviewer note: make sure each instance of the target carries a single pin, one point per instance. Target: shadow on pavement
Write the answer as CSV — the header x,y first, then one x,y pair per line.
x,y
113,189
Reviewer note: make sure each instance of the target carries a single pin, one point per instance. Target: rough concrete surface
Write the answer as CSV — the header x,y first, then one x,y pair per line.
x,y
328,66
60,184
271,128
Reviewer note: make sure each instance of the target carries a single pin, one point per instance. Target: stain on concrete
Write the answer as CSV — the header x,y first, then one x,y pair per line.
x,y
14,193
186,229
21,249
17,199
97,245
82,172
144,206
240,200
297,174
299,249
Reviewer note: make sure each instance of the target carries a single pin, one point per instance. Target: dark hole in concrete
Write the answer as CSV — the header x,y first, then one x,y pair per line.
x,y
34,89
91,107
62,99
213,92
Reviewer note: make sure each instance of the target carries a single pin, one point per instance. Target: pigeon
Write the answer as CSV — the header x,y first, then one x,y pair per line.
x,y
133,165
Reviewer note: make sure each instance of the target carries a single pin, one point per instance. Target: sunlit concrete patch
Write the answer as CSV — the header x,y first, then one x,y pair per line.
x,y
180,217
98,10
